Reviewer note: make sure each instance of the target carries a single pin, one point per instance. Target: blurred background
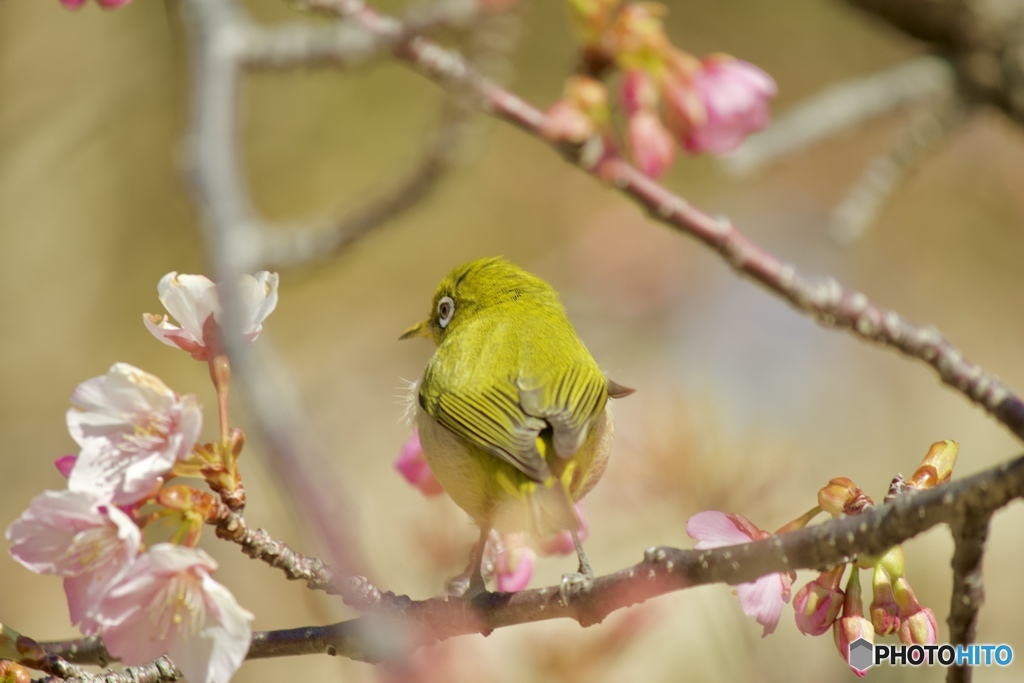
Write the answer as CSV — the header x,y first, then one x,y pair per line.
x,y
742,405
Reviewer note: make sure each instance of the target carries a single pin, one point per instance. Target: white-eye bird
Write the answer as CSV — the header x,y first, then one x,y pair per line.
x,y
512,409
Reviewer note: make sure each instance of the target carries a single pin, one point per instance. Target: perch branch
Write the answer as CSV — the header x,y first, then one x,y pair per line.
x,y
665,569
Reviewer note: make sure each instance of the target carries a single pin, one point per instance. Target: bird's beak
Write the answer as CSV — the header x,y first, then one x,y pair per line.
x,y
418,330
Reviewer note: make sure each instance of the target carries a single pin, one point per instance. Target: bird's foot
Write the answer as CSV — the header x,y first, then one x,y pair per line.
x,y
574,584
463,587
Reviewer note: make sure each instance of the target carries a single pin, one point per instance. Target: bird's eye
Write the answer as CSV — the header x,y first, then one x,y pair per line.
x,y
445,310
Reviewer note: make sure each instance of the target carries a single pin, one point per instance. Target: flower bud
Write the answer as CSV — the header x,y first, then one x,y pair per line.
x,y
920,628
818,603
852,626
884,610
917,624
735,96
843,497
937,465
650,144
582,111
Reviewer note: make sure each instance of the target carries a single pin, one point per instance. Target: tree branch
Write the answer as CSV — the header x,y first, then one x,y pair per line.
x,y
969,533
966,503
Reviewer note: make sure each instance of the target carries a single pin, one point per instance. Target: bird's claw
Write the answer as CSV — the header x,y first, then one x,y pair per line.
x,y
463,588
574,584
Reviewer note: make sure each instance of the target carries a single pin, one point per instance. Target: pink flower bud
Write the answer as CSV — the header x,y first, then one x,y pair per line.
x,y
818,603
917,624
735,96
412,465
566,123
852,626
884,610
650,143
849,630
638,92
919,628
582,111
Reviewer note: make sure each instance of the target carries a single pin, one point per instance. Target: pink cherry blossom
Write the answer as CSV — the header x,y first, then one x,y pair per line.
x,y
735,96
194,302
515,563
412,465
132,429
167,603
762,599
74,534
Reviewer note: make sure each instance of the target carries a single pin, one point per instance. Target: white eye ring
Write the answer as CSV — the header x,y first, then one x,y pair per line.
x,y
445,311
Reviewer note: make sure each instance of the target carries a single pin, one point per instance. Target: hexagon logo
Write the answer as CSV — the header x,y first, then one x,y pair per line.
x,y
861,654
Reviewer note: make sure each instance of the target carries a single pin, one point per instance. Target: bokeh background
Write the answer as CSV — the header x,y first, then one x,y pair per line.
x,y
742,405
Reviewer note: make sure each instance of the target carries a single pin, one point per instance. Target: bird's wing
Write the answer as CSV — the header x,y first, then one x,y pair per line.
x,y
491,418
569,398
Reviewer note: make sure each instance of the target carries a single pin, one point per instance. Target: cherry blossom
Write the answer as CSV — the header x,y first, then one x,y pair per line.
x,y
194,301
76,535
132,429
762,599
735,98
167,603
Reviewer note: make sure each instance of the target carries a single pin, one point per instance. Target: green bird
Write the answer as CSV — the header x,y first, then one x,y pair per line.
x,y
513,410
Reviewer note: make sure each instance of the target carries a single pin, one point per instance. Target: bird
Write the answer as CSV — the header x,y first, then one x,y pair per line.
x,y
512,410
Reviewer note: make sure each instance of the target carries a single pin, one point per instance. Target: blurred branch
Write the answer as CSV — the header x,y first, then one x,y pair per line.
x,y
489,43
228,43
984,41
883,176
970,534
843,106
225,43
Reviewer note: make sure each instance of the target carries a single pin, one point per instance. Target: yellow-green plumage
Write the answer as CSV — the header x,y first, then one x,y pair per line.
x,y
513,415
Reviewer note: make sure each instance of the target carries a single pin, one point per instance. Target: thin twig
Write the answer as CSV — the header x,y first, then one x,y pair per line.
x,y
928,132
969,533
843,106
